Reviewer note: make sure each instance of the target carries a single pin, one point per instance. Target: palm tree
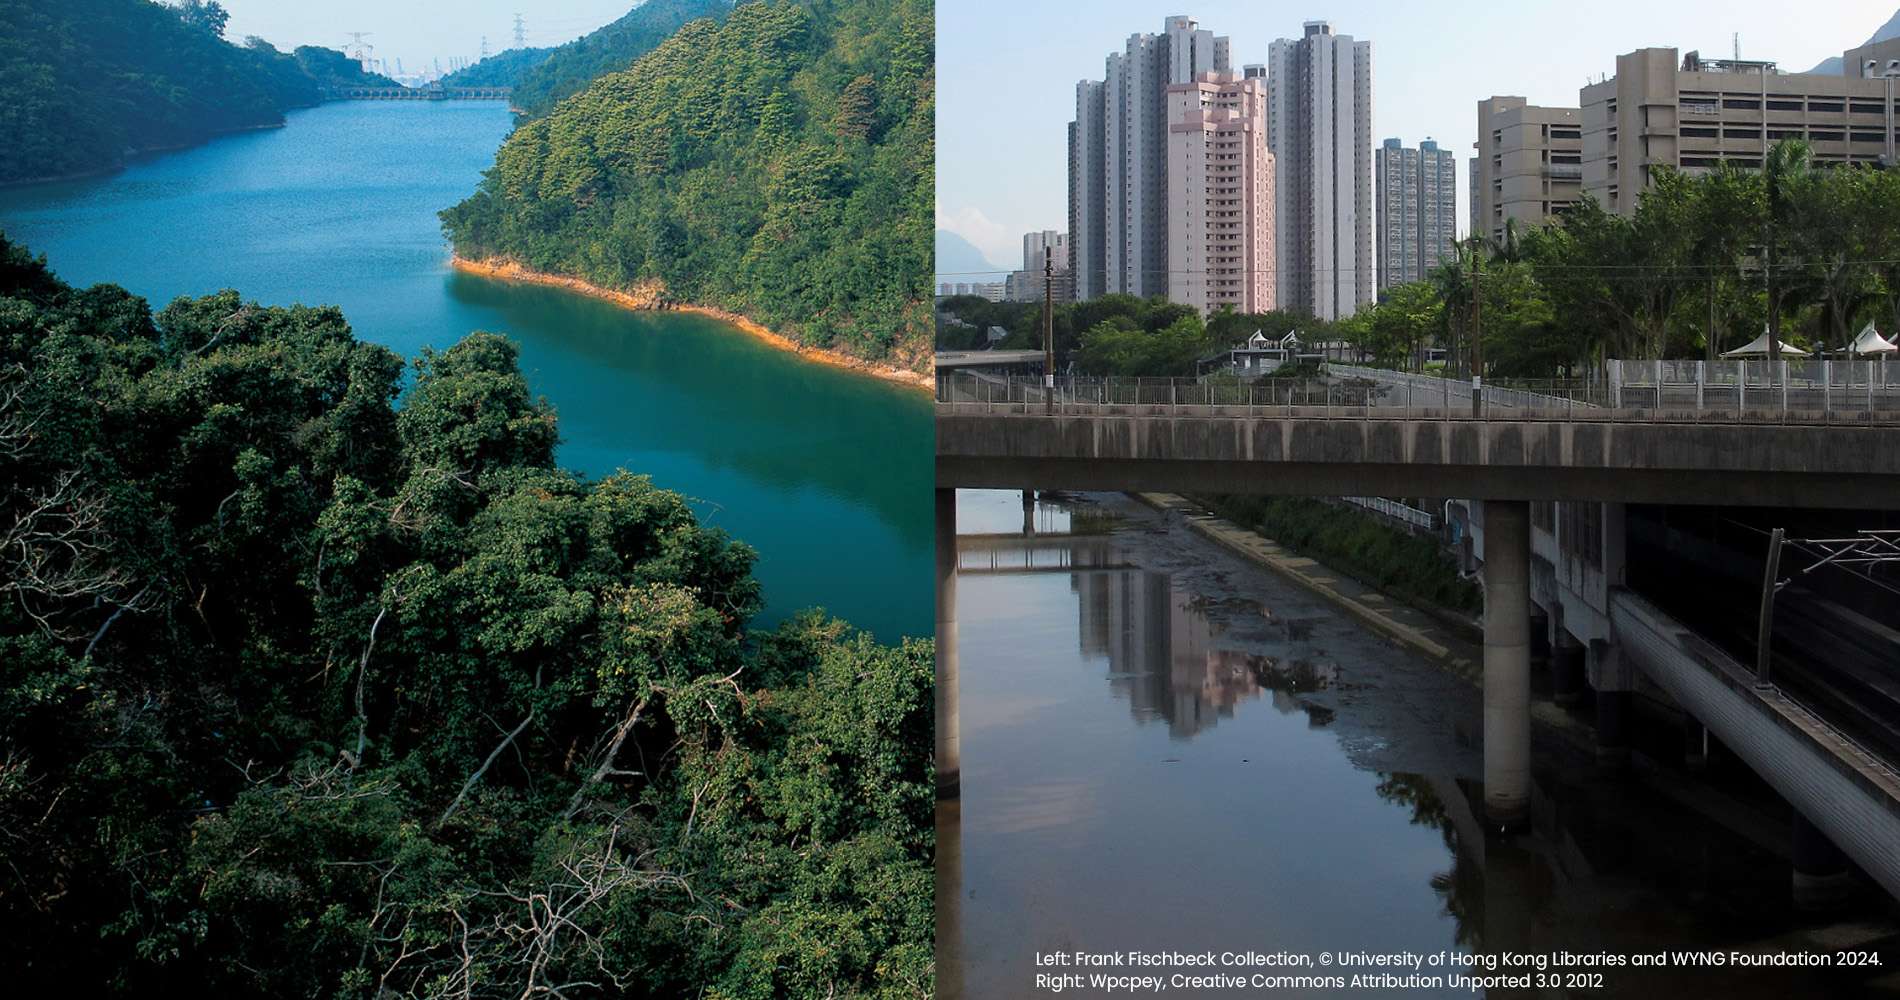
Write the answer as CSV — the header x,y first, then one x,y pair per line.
x,y
1786,173
1452,278
1506,248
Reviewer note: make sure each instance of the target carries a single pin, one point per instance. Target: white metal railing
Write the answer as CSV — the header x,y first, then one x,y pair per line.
x,y
1397,511
1625,391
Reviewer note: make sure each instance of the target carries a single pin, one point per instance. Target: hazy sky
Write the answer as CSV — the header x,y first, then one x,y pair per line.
x,y
1006,74
418,31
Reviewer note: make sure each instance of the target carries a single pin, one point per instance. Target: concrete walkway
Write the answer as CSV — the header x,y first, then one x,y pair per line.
x,y
1407,626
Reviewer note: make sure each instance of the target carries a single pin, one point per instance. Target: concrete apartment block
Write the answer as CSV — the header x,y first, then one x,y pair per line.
x,y
1220,194
1418,209
1319,127
1132,203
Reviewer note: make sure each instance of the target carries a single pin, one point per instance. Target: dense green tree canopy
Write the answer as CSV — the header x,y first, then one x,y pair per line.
x,y
778,164
503,69
84,82
1705,262
568,69
543,77
306,693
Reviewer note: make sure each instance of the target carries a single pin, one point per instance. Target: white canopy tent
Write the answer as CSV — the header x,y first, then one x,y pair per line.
x,y
1870,342
1758,348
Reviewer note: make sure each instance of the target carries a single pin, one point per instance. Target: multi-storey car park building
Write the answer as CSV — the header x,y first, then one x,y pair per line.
x,y
1693,113
1319,127
1220,194
1528,167
1418,209
1131,239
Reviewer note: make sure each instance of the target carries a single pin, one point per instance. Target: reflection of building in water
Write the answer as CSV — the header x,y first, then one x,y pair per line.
x,y
1159,648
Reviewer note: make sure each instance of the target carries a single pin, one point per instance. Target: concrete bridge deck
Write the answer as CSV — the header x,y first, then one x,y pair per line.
x,y
1393,451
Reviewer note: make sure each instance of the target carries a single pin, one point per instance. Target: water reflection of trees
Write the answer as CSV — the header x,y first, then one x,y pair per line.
x,y
1460,890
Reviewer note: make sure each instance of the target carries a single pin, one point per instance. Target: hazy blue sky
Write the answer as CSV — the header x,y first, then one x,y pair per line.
x,y
1006,74
418,31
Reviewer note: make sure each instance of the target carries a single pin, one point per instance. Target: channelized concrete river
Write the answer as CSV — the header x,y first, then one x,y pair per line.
x,y
826,473
1168,749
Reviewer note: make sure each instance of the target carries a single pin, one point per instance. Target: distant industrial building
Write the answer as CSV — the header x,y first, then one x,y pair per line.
x,y
1418,209
1528,167
1693,113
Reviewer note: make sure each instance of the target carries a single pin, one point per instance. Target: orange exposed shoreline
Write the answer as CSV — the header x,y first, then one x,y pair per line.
x,y
646,295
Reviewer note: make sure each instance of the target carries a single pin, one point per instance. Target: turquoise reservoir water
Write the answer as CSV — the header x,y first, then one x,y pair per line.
x,y
826,473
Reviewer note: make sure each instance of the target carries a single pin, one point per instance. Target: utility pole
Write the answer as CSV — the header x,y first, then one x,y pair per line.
x,y
1477,330
1709,348
1764,624
1048,331
521,33
359,49
484,46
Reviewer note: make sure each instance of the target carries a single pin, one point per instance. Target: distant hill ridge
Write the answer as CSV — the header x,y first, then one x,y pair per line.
x,y
541,78
1891,29
85,83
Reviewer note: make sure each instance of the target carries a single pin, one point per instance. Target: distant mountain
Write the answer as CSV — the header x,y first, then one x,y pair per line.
x,y
959,260
1891,29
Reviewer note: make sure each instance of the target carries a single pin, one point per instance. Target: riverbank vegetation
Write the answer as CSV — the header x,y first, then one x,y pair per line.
x,y
308,693
1407,565
778,165
1705,263
84,83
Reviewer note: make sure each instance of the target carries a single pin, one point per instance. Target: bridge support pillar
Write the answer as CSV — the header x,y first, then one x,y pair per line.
x,y
1566,670
1822,879
1029,512
1507,666
949,750
1614,683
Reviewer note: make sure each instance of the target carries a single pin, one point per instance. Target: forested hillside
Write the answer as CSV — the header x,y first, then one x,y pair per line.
x,y
569,68
85,82
503,69
778,164
303,693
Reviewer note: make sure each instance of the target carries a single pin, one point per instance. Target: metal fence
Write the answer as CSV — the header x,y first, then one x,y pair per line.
x,y
1406,513
1625,391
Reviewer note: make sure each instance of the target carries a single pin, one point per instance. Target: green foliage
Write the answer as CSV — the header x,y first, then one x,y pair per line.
x,y
1401,563
307,694
1115,334
566,70
84,82
1120,346
1395,329
1703,262
503,69
747,165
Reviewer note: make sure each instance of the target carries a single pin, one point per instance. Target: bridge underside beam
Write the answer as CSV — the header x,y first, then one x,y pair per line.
x,y
1850,796
1494,482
